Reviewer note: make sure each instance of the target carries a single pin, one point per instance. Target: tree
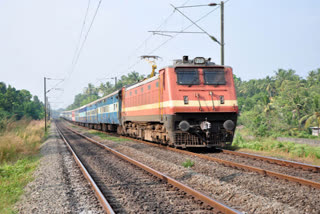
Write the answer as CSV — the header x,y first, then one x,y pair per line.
x,y
309,119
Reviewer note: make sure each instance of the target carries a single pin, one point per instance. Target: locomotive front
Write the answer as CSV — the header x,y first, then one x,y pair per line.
x,y
199,103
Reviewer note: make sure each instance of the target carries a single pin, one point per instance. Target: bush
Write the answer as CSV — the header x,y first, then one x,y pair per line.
x,y
20,138
188,163
294,149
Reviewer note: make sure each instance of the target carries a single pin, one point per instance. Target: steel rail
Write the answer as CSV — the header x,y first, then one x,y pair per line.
x,y
294,164
231,164
106,206
241,166
200,196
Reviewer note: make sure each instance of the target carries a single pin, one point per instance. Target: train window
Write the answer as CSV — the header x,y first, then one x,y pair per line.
x,y
149,87
157,84
136,91
187,76
141,89
130,93
214,76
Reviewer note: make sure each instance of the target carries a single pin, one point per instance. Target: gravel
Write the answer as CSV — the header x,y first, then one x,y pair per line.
x,y
314,176
245,191
128,188
59,186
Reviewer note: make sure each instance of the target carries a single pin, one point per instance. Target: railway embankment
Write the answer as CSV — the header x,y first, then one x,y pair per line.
x,y
58,185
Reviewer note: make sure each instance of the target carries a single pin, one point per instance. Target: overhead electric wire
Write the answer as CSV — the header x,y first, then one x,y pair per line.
x,y
148,38
81,32
78,50
163,23
186,28
169,39
85,39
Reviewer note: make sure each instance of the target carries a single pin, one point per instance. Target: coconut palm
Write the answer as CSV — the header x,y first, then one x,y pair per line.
x,y
309,119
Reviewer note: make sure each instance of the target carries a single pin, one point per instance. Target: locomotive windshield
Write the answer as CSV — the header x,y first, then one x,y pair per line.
x,y
187,76
214,76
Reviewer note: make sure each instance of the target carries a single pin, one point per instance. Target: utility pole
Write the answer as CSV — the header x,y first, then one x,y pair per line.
x,y
221,43
46,102
48,109
45,105
115,80
222,32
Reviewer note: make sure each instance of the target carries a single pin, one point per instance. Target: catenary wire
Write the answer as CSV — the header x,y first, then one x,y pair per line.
x,y
81,32
85,39
169,39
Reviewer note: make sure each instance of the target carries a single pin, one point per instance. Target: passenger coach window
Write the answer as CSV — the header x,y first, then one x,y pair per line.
x,y
214,76
187,76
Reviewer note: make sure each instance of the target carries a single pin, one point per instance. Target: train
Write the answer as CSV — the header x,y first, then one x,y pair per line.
x,y
191,103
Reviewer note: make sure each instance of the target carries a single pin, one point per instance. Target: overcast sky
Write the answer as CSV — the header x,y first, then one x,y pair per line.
x,y
38,39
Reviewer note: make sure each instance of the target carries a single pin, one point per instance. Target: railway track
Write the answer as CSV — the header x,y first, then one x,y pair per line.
x,y
277,161
312,179
123,184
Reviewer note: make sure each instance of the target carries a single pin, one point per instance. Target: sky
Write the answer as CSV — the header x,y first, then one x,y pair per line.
x,y
38,38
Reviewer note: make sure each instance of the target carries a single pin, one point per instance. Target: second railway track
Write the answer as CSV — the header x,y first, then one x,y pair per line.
x,y
243,190
301,173
129,189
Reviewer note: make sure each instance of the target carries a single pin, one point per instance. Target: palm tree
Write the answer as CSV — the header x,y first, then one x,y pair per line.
x,y
309,119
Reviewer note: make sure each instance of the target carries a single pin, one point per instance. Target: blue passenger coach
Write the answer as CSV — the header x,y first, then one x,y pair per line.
x,y
103,114
109,108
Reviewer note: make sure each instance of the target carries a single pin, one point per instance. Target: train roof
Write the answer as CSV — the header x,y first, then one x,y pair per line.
x,y
142,82
93,102
102,98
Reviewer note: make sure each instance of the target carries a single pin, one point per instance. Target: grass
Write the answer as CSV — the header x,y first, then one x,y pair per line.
x,y
106,136
276,148
188,163
13,178
20,139
20,142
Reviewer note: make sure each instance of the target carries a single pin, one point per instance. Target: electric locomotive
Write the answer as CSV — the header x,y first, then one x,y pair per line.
x,y
191,103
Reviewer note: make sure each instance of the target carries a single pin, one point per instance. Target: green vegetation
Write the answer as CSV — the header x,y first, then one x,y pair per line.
x,y
106,136
293,150
19,145
282,105
188,163
13,178
92,93
18,104
21,139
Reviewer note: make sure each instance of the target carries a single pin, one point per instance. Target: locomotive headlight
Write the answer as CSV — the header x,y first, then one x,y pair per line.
x,y
184,125
205,125
199,60
228,125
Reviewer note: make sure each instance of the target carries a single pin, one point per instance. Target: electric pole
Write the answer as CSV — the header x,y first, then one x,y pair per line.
x,y
48,109
222,32
45,105
45,97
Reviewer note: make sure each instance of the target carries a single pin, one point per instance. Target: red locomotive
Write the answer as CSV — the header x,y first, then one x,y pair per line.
x,y
189,104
